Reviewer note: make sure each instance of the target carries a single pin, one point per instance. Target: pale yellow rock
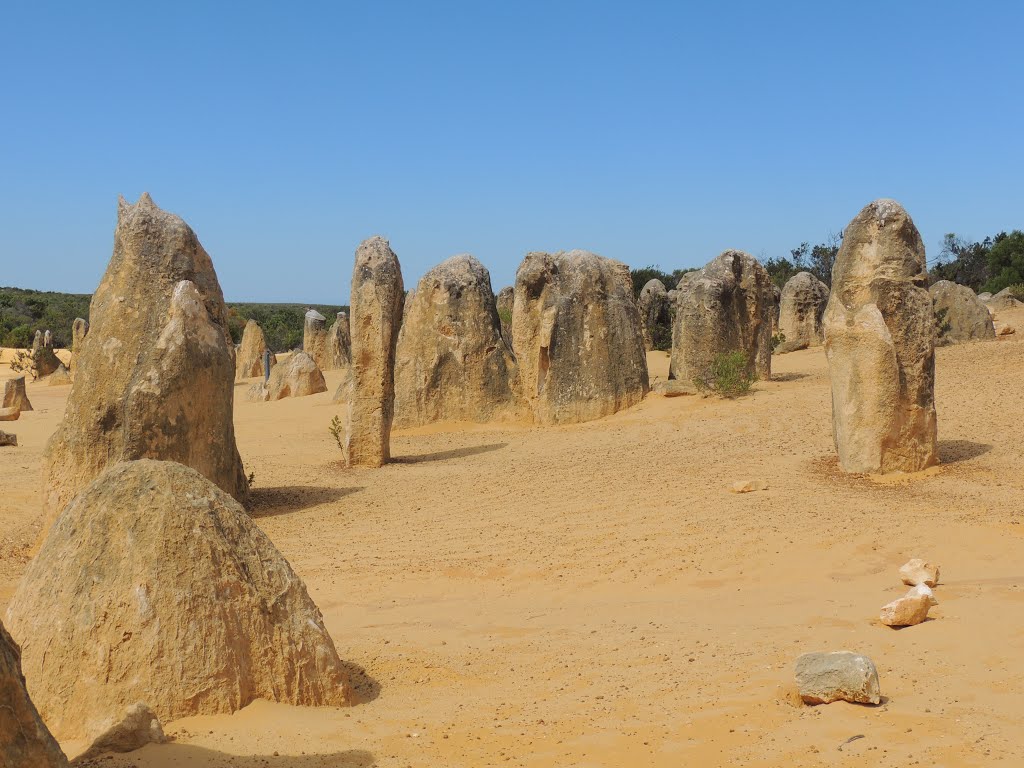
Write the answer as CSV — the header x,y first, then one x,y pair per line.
x,y
155,377
10,414
923,589
59,378
880,345
578,337
314,337
25,741
15,395
249,356
296,377
136,727
339,344
376,305
917,571
801,311
728,306
154,585
452,362
905,611
79,331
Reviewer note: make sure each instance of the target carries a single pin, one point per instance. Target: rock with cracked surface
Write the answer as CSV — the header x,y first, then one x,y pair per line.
x,y
155,377
155,585
880,345
959,315
802,309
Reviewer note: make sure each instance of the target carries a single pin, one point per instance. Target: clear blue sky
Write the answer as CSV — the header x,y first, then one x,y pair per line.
x,y
649,132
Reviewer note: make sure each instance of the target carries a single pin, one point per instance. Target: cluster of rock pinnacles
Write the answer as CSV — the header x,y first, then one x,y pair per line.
x,y
144,483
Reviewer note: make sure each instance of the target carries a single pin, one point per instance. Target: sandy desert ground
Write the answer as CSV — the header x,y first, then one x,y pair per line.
x,y
595,595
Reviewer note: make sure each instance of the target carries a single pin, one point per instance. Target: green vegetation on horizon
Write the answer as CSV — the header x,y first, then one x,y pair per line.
x,y
25,311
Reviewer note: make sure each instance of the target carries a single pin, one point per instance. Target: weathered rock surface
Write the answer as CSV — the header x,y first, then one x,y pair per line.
x,y
314,337
15,395
791,346
505,302
46,361
578,337
983,297
155,377
376,306
249,357
79,330
25,741
959,316
339,344
923,589
1004,300
8,439
880,344
802,308
137,726
674,388
296,377
452,363
154,585
905,611
10,414
838,676
917,571
59,378
655,312
725,307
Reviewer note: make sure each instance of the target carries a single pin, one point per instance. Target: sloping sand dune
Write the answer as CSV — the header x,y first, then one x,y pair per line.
x,y
595,596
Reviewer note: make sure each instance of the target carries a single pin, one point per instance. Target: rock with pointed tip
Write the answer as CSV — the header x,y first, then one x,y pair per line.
x,y
155,585
250,353
880,345
155,378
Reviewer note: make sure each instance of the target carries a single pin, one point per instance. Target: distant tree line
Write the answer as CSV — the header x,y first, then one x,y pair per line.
x,y
991,265
23,312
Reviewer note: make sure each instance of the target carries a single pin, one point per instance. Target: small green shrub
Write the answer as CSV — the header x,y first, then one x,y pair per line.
x,y
729,376
336,429
778,338
1017,291
505,315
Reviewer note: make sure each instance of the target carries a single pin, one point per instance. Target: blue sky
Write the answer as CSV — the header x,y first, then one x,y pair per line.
x,y
654,133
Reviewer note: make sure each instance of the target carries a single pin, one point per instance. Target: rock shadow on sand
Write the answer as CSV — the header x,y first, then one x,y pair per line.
x,y
952,451
284,500
364,688
456,453
202,757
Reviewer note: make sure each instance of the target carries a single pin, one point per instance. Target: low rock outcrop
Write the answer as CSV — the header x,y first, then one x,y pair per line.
x,y
452,363
296,377
959,315
578,337
838,676
154,585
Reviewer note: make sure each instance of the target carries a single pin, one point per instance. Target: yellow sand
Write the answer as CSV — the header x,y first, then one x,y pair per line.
x,y
595,596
